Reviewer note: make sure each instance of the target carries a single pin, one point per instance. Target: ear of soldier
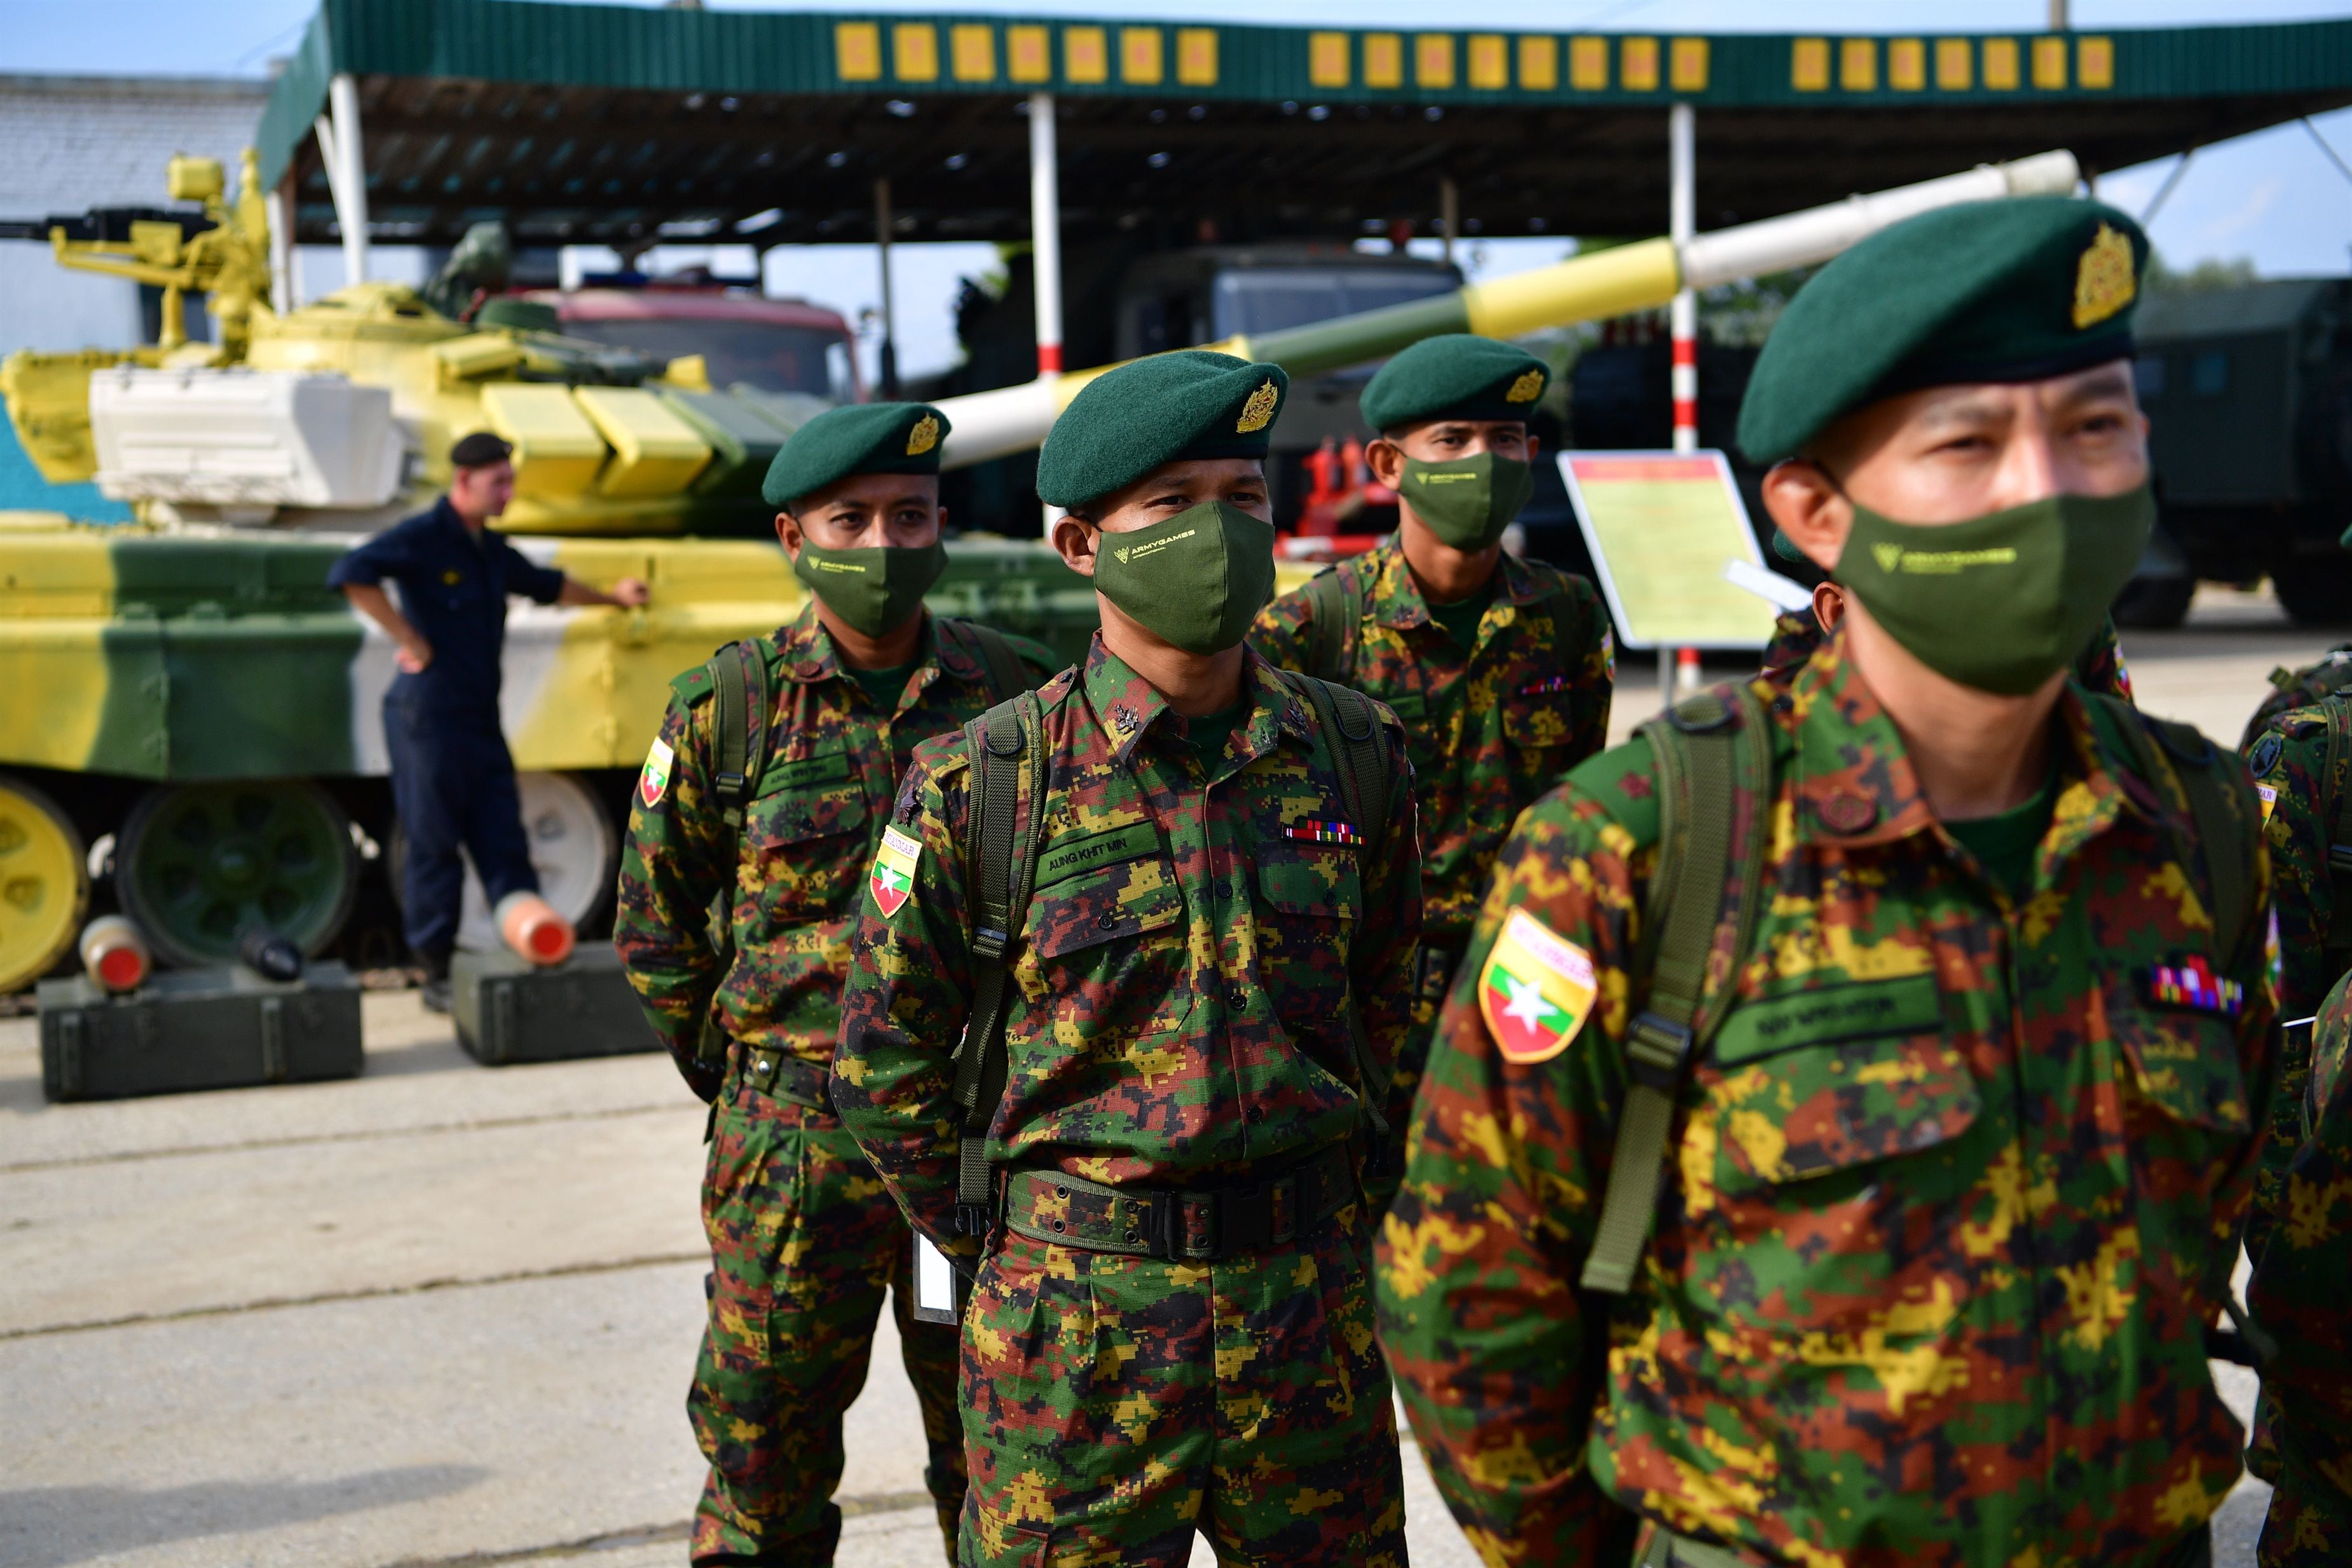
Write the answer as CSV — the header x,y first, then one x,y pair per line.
x,y
755,823
1968,1009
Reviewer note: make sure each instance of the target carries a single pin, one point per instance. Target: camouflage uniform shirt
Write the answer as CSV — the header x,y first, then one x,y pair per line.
x,y
1490,731
2303,1274
1178,994
1947,1203
824,798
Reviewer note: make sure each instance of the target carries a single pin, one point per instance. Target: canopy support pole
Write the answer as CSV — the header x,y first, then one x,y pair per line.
x,y
1046,233
282,266
1045,248
350,183
888,360
1681,206
1449,212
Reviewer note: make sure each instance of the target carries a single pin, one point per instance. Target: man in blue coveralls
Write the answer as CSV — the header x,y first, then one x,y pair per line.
x,y
452,782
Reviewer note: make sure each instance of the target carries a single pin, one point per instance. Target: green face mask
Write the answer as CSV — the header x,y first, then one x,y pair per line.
x,y
2002,601
1468,503
873,590
1196,581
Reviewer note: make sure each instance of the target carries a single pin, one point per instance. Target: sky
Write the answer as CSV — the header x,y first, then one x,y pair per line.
x,y
2274,198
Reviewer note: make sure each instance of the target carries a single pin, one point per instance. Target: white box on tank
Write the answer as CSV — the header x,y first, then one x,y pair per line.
x,y
242,438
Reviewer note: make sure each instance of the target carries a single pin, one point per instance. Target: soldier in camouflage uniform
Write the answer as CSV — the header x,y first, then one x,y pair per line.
x,y
1501,669
1950,1162
803,1240
2302,1276
2300,776
1171,1327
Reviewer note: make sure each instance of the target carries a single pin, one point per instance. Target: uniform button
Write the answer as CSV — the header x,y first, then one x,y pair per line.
x,y
1848,811
1106,920
807,669
808,824
1257,1114
1133,1236
1059,1226
1061,1192
1237,999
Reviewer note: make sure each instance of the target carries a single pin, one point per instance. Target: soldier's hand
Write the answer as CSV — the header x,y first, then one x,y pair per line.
x,y
414,655
631,592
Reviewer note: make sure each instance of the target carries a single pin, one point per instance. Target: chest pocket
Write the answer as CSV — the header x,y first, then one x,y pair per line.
x,y
805,834
1535,713
1818,1158
1105,936
2184,1064
1311,902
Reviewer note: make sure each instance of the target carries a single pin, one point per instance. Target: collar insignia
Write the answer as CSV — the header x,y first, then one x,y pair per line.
x,y
923,437
2104,280
1527,389
1258,412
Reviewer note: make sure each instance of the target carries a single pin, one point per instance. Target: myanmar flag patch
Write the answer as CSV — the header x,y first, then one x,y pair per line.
x,y
893,881
1536,990
654,782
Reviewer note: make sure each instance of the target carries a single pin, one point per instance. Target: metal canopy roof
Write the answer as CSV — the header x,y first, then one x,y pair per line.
x,y
581,123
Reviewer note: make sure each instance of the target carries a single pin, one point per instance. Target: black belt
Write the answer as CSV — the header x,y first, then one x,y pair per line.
x,y
772,1071
1182,1226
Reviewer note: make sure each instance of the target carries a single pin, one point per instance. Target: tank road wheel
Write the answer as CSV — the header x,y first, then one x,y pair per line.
x,y
196,863
44,884
574,847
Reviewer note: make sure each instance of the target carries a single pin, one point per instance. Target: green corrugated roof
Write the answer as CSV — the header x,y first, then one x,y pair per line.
x,y
493,70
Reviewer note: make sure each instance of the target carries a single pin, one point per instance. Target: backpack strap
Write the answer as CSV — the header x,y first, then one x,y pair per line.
x,y
1006,677
1338,603
1714,757
2221,809
1350,727
1007,750
740,673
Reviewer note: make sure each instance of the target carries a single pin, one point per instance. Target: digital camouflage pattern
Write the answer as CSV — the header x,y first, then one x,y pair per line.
x,y
1115,1405
2300,790
1797,636
808,841
803,1237
1489,733
1947,1205
1177,1018
2301,688
803,1242
2303,1428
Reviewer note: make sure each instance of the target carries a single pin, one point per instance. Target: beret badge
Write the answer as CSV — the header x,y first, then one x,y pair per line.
x,y
2104,280
923,437
1257,411
1527,389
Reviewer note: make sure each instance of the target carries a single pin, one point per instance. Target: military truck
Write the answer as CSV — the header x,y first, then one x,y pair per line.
x,y
2249,396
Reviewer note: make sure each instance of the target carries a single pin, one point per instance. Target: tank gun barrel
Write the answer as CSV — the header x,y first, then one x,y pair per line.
x,y
1583,288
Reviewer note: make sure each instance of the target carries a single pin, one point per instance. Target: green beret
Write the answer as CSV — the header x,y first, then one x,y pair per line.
x,y
2012,290
1456,375
1169,408
857,438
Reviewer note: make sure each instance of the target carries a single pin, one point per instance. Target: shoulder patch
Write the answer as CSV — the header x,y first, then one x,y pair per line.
x,y
2265,754
654,782
892,882
1536,990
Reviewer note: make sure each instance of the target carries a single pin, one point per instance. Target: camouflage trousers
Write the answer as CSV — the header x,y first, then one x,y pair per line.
x,y
1113,1405
804,1241
2310,1521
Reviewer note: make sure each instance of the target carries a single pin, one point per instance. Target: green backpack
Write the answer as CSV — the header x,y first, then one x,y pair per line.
x,y
2301,688
739,685
1001,842
1715,777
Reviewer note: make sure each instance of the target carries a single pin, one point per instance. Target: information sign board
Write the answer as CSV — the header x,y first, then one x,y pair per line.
x,y
1663,528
